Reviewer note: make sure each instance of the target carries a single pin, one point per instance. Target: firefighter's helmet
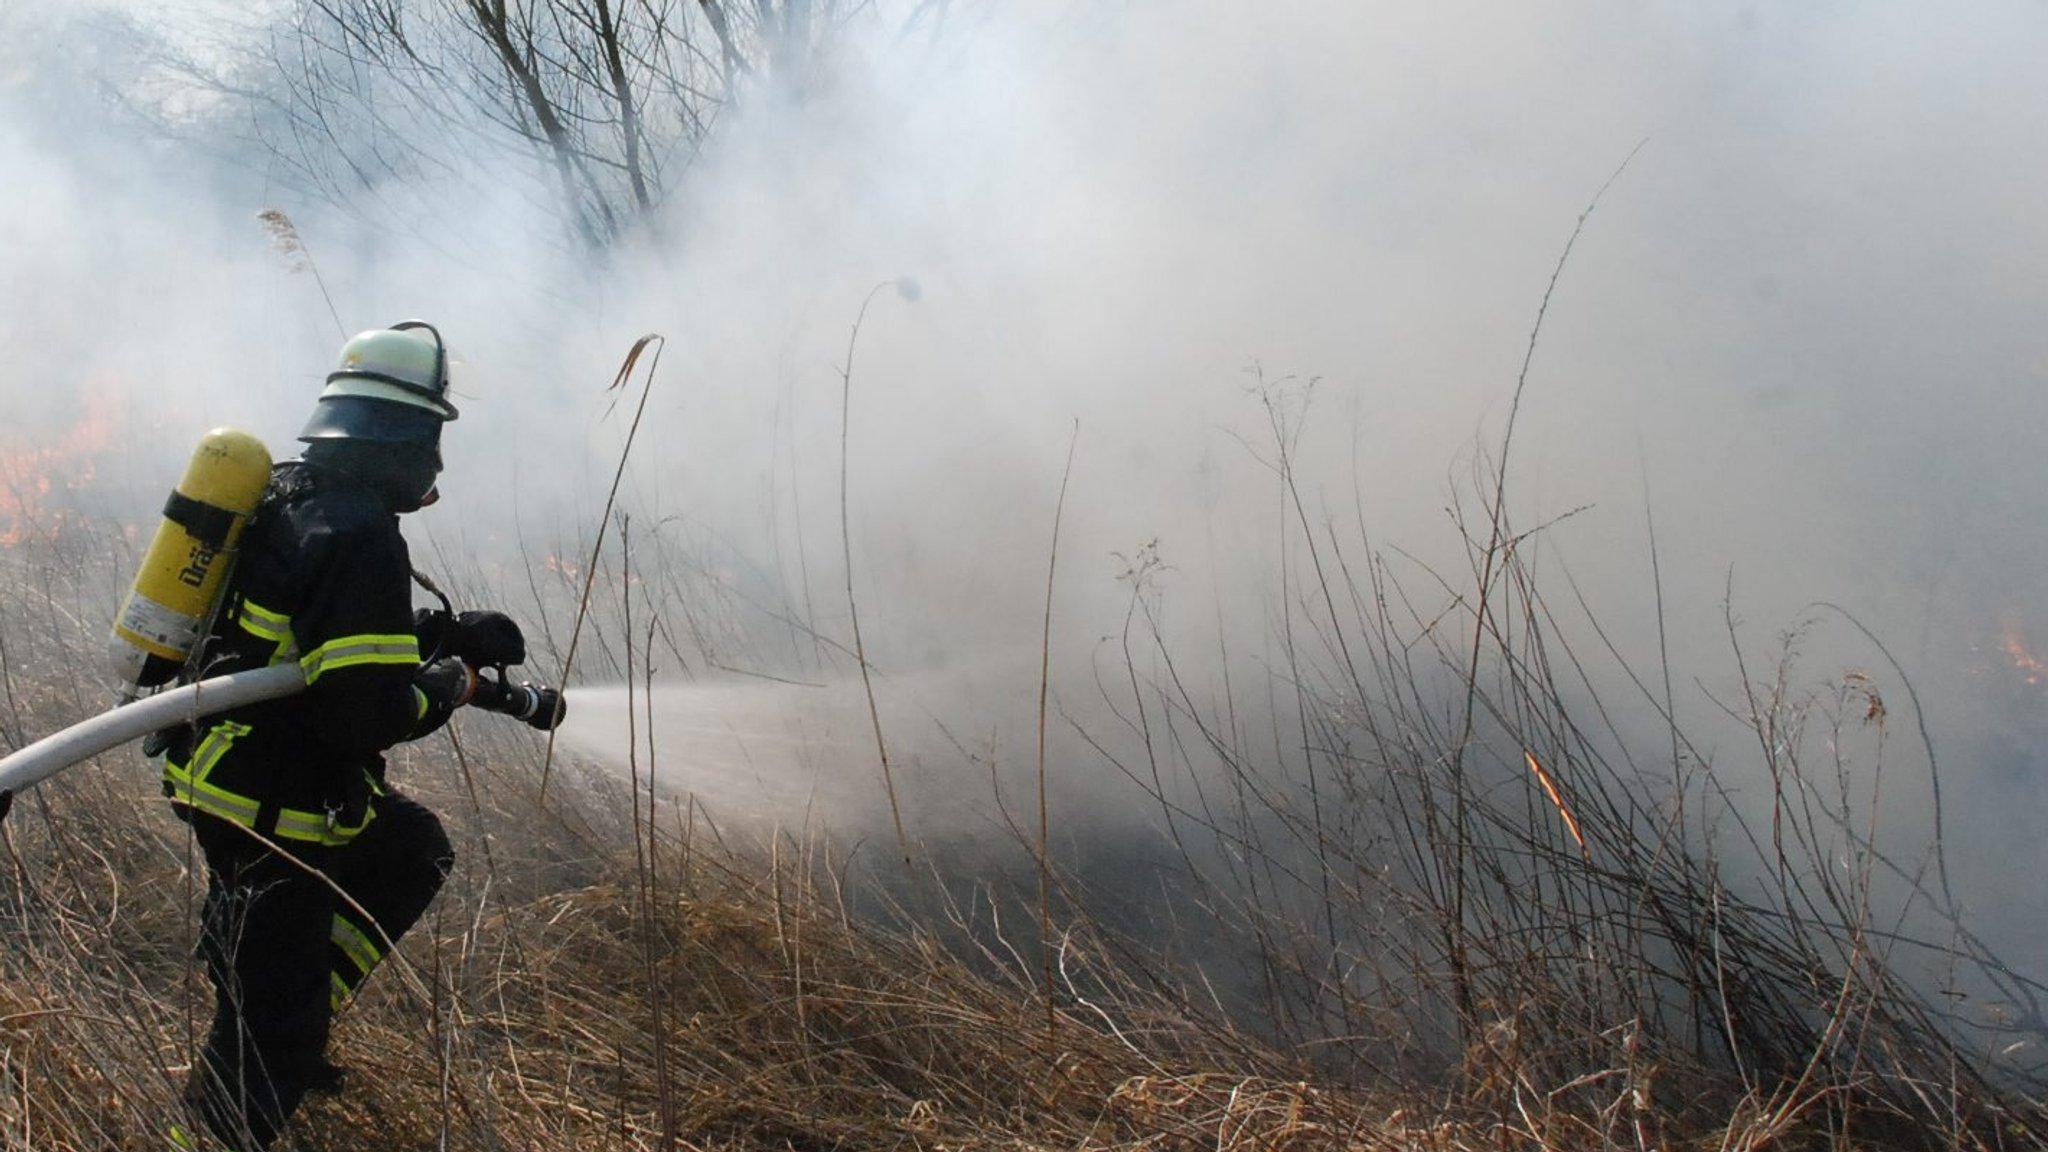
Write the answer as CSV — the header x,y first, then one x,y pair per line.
x,y
391,386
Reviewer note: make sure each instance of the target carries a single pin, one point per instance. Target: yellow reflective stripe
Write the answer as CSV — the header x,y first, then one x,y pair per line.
x,y
275,627
188,781
337,991
419,711
265,624
312,827
292,823
190,788
349,651
359,948
213,801
219,739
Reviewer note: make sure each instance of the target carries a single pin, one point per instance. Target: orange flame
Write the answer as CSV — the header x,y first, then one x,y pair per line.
x,y
1571,822
28,474
2015,645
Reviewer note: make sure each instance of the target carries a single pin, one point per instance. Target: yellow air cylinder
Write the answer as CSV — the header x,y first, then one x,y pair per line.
x,y
188,560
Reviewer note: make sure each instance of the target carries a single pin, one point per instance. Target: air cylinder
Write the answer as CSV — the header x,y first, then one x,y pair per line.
x,y
187,564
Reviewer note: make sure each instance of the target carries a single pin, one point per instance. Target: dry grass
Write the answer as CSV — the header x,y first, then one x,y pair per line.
x,y
1473,850
1474,914
527,1022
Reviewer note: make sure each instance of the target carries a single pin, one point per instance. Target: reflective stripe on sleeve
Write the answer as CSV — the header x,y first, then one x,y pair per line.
x,y
265,624
274,627
350,651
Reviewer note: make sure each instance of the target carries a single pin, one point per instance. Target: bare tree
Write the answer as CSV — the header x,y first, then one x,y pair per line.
x,y
592,108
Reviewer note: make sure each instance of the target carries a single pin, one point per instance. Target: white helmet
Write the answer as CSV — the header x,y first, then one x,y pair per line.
x,y
391,385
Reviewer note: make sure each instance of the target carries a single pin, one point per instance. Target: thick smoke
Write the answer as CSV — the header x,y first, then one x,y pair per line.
x,y
1798,338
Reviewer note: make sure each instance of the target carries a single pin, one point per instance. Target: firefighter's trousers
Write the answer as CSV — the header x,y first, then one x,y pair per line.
x,y
284,949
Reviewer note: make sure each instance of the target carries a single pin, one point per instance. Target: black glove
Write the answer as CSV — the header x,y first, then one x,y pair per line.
x,y
431,626
447,685
487,639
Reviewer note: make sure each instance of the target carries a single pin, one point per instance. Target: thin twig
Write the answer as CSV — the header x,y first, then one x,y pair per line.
x,y
860,654
1044,695
611,498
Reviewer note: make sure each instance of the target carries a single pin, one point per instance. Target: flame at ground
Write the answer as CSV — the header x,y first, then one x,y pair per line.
x,y
31,471
2014,644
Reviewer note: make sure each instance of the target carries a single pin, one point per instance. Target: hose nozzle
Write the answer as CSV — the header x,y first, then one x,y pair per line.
x,y
537,705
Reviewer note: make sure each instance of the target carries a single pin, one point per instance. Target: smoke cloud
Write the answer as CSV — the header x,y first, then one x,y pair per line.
x,y
1797,344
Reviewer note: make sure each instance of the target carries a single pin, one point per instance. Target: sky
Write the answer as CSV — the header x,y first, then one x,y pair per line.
x,y
1797,342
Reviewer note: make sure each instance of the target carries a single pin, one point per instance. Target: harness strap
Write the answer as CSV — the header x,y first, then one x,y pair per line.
x,y
209,523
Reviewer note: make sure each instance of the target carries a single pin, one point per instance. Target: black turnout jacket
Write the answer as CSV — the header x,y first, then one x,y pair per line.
x,y
323,579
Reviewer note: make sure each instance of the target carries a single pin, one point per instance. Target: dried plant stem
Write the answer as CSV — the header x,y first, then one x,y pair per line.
x,y
860,653
645,847
611,499
1482,619
285,236
1044,698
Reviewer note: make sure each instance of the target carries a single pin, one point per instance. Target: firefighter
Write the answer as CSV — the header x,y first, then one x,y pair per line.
x,y
316,864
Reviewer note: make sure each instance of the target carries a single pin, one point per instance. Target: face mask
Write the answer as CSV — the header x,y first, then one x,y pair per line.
x,y
402,475
412,478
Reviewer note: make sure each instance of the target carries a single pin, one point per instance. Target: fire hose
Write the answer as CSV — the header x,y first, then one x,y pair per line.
x,y
538,707
172,604
115,727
